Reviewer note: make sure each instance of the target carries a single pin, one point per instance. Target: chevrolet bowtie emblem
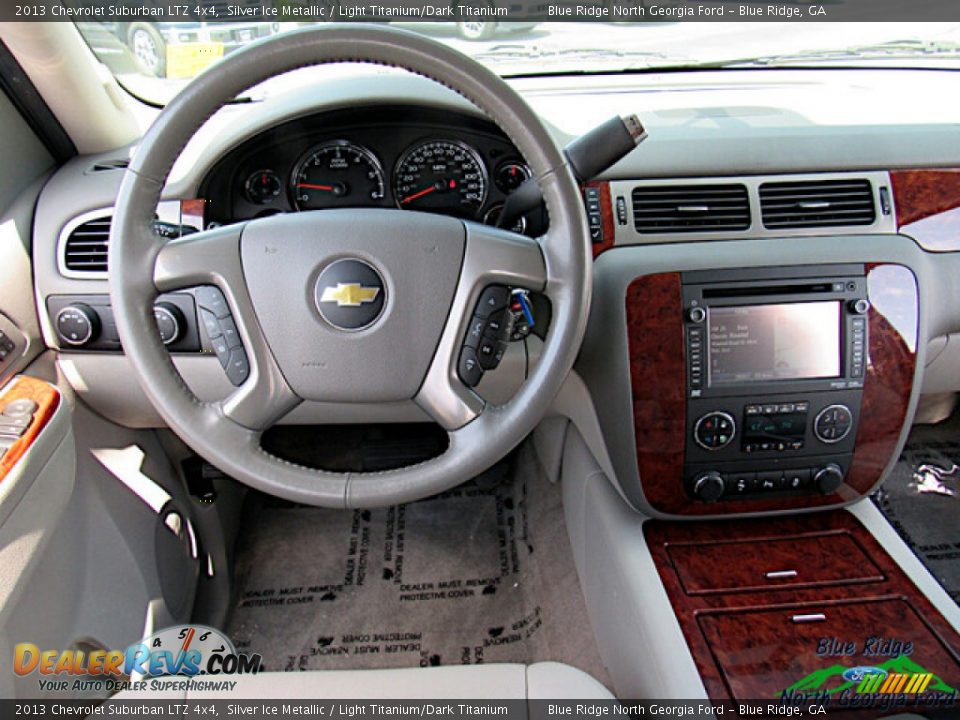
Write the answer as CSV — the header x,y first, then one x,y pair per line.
x,y
349,294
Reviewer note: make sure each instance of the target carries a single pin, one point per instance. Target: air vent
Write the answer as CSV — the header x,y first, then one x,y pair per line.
x,y
86,247
818,203
690,208
117,164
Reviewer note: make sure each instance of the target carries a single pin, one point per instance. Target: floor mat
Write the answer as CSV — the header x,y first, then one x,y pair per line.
x,y
922,501
476,575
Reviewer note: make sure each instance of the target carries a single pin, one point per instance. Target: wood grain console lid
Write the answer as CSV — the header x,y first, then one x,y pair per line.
x,y
26,405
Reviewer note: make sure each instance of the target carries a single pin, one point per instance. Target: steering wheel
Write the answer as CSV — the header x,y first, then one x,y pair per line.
x,y
273,271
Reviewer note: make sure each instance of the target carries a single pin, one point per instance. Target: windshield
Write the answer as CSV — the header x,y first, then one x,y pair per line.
x,y
153,60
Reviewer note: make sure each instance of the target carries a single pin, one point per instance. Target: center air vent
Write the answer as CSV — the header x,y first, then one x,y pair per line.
x,y
690,208
817,203
86,246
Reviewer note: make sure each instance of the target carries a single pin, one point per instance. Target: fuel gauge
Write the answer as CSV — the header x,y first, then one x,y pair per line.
x,y
510,176
263,187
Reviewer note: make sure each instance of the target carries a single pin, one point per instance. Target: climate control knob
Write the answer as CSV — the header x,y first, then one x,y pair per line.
x,y
715,430
77,324
170,322
829,479
708,486
833,423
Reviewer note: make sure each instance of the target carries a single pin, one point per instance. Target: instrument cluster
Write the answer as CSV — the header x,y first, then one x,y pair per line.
x,y
404,157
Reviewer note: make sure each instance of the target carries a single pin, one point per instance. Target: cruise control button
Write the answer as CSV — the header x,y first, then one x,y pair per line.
x,y
230,333
212,299
238,367
222,350
210,324
469,367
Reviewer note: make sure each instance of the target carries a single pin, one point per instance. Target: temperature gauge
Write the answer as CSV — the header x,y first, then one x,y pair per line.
x,y
262,187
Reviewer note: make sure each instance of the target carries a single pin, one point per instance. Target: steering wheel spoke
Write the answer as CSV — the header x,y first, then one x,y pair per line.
x,y
212,258
492,257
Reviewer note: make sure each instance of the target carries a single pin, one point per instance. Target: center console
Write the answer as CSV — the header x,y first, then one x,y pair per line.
x,y
774,373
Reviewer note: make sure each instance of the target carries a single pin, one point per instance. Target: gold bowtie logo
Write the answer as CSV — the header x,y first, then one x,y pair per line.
x,y
349,294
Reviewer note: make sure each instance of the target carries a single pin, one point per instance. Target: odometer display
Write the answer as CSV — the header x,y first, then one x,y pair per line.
x,y
337,174
444,176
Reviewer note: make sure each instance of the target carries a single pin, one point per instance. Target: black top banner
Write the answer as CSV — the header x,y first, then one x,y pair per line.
x,y
506,11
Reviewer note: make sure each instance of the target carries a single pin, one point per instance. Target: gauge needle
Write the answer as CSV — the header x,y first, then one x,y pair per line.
x,y
416,195
308,186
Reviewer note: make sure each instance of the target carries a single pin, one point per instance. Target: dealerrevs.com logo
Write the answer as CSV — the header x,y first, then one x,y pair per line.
x,y
184,650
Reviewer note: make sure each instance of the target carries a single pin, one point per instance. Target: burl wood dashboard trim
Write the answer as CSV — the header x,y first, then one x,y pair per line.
x,y
691,609
606,217
928,207
47,398
654,313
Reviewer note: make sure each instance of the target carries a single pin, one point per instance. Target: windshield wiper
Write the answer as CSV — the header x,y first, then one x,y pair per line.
x,y
879,51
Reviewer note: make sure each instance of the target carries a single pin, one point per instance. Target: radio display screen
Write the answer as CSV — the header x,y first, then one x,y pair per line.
x,y
759,343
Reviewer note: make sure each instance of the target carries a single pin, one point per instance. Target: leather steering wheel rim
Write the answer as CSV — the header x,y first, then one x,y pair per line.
x,y
227,434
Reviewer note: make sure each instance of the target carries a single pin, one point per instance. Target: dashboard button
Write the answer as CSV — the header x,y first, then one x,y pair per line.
x,y
714,430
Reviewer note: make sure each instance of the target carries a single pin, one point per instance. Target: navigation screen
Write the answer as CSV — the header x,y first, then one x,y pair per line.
x,y
756,343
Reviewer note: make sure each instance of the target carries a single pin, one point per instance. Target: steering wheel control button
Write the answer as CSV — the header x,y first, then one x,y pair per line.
x,y
350,294
221,349
493,299
714,430
77,324
230,333
238,367
469,367
210,298
833,423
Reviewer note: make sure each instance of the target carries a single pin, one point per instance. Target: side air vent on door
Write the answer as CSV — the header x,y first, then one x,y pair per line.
x,y
690,208
817,203
86,246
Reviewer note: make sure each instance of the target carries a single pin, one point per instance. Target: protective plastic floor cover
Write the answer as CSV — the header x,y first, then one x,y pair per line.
x,y
921,499
473,576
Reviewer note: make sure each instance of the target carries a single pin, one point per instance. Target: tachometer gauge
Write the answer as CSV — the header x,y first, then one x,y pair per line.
x,y
262,187
445,176
337,174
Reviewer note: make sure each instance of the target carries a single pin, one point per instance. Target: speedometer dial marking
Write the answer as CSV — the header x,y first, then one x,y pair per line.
x,y
445,176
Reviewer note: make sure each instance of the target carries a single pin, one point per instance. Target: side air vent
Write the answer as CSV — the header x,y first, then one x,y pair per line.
x,y
86,246
117,164
818,203
690,208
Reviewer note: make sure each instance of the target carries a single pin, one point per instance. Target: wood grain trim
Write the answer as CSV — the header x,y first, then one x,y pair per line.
x,y
606,217
928,207
662,535
892,323
47,398
654,307
658,384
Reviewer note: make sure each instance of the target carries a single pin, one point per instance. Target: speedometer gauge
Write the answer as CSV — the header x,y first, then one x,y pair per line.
x,y
337,174
445,176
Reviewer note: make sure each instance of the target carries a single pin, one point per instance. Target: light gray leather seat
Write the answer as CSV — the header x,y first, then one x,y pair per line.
x,y
539,681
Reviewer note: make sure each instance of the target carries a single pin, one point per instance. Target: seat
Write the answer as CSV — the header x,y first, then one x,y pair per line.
x,y
539,681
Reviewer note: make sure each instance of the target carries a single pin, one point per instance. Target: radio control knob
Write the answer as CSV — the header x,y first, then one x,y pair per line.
x,y
170,322
77,324
708,486
858,306
697,314
829,479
